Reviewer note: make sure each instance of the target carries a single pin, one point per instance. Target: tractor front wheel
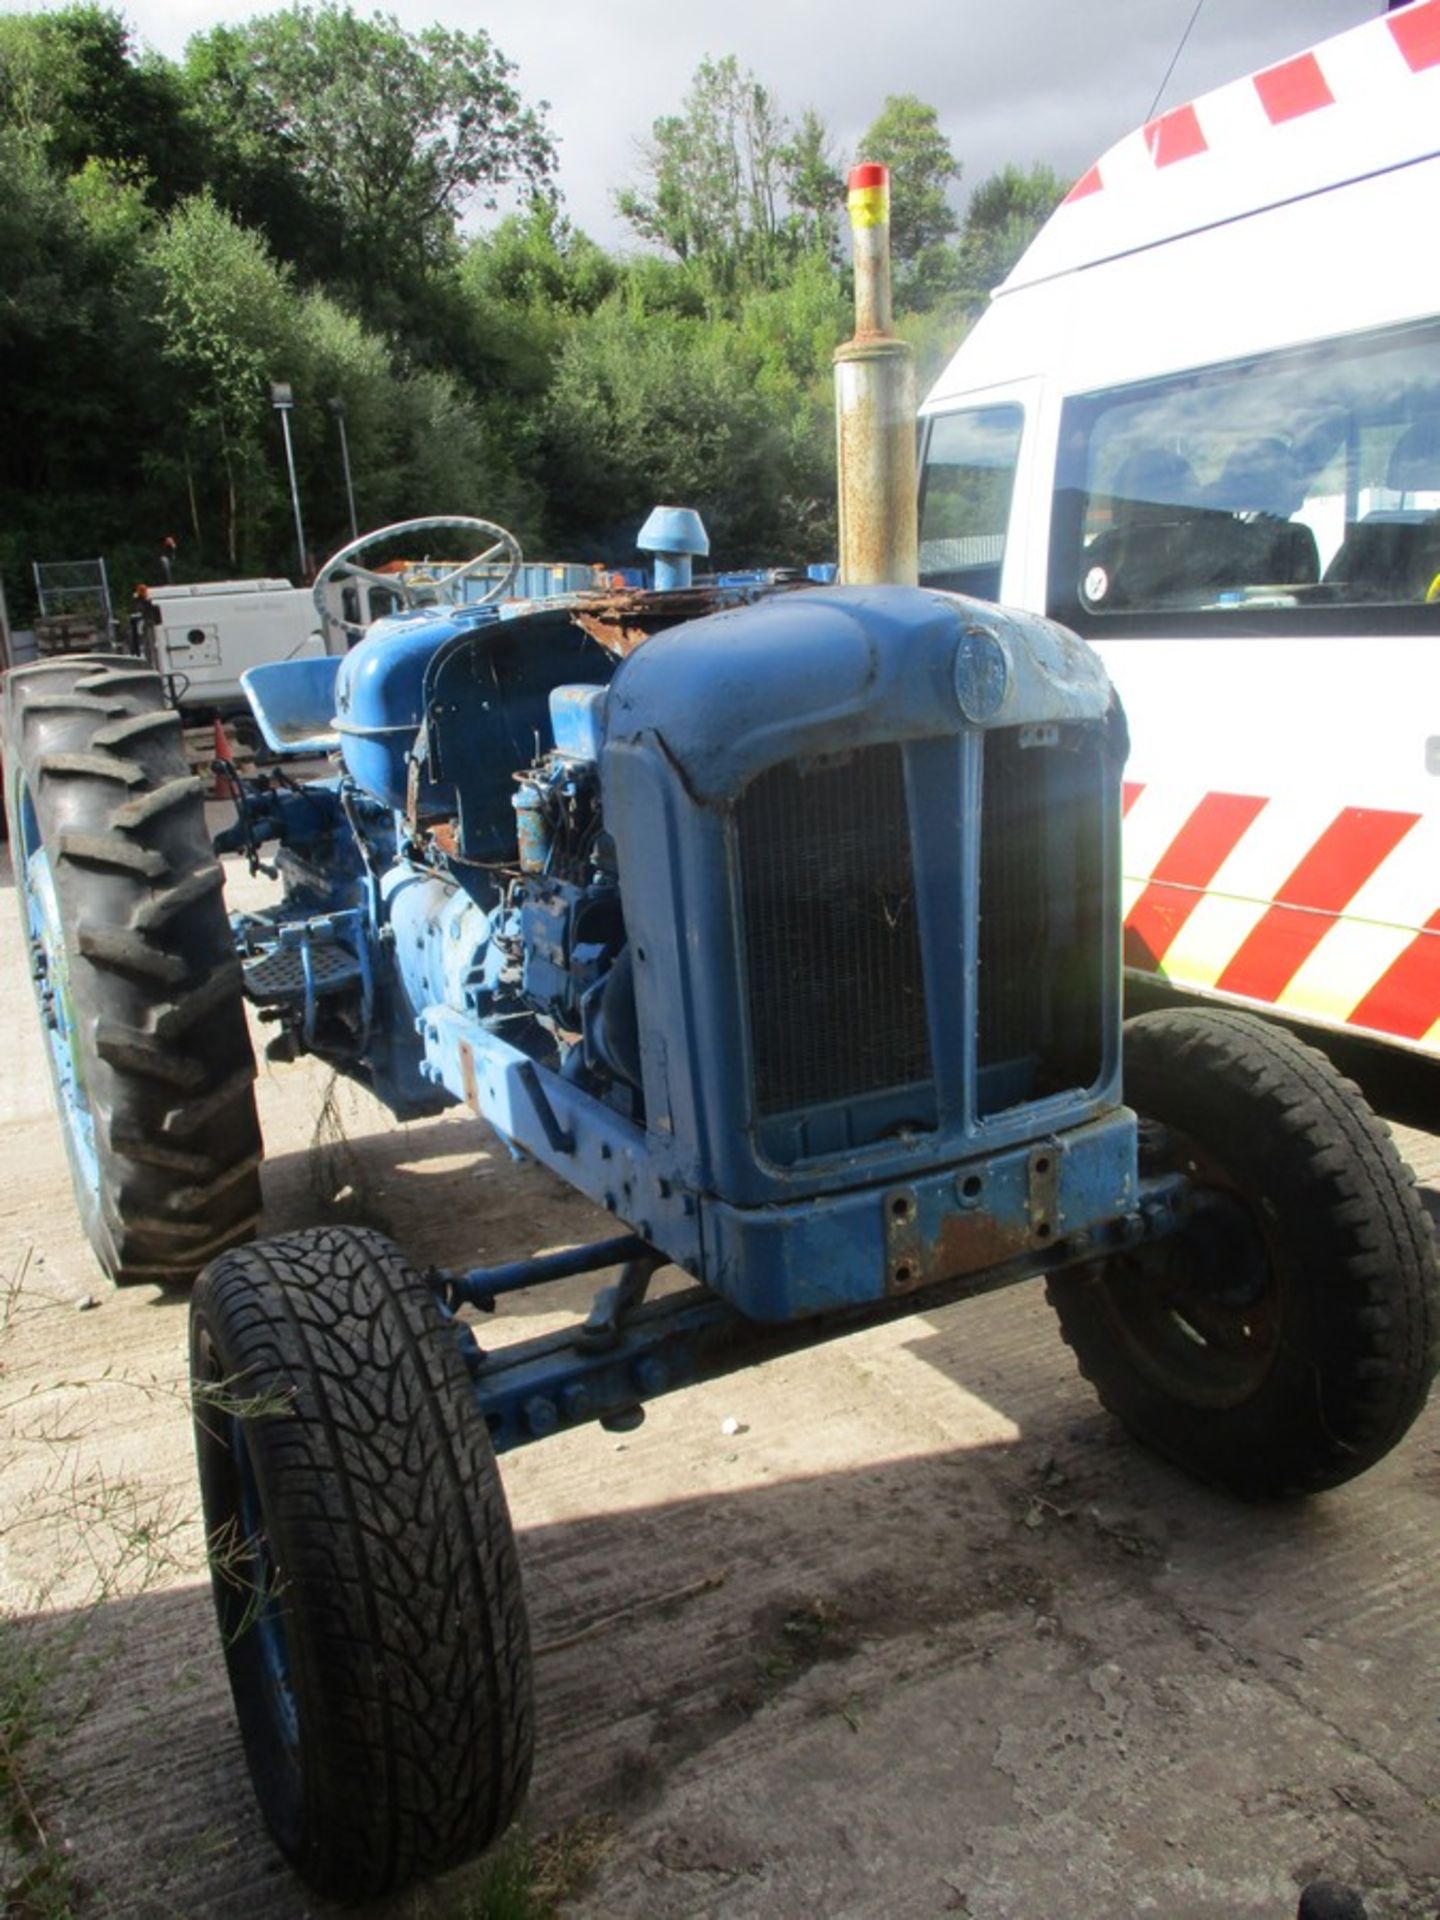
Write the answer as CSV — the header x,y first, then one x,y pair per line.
x,y
1285,1338
362,1559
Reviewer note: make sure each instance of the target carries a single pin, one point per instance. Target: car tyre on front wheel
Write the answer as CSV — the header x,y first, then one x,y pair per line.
x,y
362,1558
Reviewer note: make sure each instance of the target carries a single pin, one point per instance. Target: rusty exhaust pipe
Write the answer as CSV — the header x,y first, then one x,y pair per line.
x,y
875,408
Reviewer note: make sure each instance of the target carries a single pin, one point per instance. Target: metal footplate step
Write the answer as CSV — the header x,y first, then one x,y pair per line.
x,y
280,973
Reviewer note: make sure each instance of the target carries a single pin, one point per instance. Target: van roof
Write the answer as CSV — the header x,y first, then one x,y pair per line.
x,y
1362,102
208,589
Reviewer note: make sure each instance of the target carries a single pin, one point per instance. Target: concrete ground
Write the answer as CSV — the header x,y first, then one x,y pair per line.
x,y
926,1635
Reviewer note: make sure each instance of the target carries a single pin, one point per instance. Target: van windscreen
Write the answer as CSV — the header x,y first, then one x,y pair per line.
x,y
965,487
1280,486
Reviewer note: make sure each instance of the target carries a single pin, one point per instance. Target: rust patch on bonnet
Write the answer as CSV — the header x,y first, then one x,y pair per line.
x,y
623,620
612,634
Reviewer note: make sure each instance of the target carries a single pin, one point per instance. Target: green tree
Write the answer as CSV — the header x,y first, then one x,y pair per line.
x,y
1005,213
448,459
714,172
524,372
727,412
223,314
73,83
790,334
389,137
905,136
522,285
538,260
79,376
729,189
815,188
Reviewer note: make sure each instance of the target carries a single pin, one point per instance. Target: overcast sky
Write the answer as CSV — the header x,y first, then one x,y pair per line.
x,y
1020,80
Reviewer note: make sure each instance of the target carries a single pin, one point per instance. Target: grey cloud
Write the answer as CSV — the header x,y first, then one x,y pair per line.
x,y
1024,81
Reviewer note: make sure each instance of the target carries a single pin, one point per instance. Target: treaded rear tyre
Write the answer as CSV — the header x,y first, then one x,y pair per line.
x,y
1285,1340
139,985
363,1562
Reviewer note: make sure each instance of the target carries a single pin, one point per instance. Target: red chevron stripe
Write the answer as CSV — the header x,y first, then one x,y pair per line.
x,y
1130,792
1294,87
1089,182
1416,32
1175,136
1322,886
1405,1000
1183,872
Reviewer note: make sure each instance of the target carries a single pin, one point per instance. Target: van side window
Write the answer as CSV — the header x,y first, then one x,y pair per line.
x,y
1277,487
965,488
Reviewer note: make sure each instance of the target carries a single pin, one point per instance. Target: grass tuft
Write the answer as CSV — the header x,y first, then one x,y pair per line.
x,y
525,1877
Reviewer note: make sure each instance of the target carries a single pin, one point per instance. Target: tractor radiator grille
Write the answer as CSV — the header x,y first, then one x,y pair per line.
x,y
1041,916
832,942
1012,903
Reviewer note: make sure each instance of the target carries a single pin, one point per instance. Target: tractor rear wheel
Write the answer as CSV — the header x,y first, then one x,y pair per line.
x,y
1285,1338
138,984
362,1559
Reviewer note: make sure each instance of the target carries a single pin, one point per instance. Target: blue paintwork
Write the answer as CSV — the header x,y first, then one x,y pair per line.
x,y
782,1263
808,673
308,816
380,700
823,670
786,1262
479,1287
532,1388
632,1173
50,969
534,580
294,703
492,950
781,1226
677,537
577,721
487,706
441,942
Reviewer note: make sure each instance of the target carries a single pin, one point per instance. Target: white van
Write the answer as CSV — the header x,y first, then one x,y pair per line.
x,y
1200,423
203,636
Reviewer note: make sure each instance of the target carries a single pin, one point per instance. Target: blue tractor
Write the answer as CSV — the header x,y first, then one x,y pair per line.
x,y
783,922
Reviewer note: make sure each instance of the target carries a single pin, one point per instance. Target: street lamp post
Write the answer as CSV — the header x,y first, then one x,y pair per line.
x,y
337,407
282,398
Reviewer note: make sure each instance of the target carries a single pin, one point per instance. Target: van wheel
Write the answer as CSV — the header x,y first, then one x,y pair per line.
x,y
135,972
1285,1338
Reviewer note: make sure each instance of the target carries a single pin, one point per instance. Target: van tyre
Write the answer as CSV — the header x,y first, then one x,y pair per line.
x,y
1286,1338
135,969
363,1562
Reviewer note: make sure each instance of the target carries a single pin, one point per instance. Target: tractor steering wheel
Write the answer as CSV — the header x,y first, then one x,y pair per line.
x,y
419,584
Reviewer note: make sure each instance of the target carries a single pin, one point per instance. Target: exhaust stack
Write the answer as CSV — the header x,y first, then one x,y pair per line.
x,y
875,408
